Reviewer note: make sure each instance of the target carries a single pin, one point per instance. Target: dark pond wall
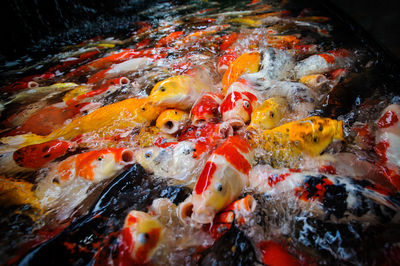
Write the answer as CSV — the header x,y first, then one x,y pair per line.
x,y
25,23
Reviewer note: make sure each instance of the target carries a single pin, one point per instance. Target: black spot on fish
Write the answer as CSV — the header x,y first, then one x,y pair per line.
x,y
335,200
46,155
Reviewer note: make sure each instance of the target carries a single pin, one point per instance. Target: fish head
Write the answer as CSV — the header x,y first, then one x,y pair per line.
x,y
269,114
144,111
176,92
171,121
102,164
218,185
206,109
153,158
141,235
237,107
312,135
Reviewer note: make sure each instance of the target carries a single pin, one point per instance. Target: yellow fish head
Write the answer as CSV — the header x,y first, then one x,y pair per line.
x,y
176,92
269,114
172,120
312,135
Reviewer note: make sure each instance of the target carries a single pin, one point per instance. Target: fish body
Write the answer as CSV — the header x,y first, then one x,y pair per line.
x,y
336,198
322,63
387,143
179,92
222,180
246,63
309,135
139,238
171,121
206,109
269,114
40,93
238,105
104,121
17,192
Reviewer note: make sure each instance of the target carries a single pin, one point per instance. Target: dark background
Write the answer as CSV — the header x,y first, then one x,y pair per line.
x,y
45,24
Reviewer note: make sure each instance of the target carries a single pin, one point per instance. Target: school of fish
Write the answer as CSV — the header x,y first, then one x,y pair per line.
x,y
224,102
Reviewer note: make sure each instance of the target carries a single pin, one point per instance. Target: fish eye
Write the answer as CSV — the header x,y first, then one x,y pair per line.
x,y
315,139
148,154
246,104
143,238
162,88
218,187
99,158
143,108
271,114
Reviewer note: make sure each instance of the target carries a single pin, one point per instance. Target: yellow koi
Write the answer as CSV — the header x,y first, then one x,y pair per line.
x,y
13,192
269,114
246,21
172,120
246,63
179,92
105,121
309,135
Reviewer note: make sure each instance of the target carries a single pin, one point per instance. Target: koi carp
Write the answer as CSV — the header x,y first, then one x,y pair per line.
x,y
139,238
104,121
171,121
222,180
309,135
17,192
68,181
179,92
176,160
206,109
387,142
335,198
269,114
238,212
195,36
246,63
322,63
238,105
40,93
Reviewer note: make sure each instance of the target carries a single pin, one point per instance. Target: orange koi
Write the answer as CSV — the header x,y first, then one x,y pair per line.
x,y
227,41
246,63
195,36
39,155
169,39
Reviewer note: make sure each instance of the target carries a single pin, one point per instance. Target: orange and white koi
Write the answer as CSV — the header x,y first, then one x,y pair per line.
x,y
195,36
206,109
387,142
104,121
171,121
328,196
222,180
238,212
169,39
322,63
139,238
179,92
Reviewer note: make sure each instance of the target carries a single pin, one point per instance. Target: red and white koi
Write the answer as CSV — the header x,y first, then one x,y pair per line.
x,y
238,104
388,142
325,62
222,180
206,109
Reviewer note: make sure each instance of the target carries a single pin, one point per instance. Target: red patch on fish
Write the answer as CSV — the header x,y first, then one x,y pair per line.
x,y
228,40
381,149
330,59
143,43
327,169
275,179
387,120
230,151
142,253
274,254
205,177
125,248
169,39
206,106
163,143
313,190
38,155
